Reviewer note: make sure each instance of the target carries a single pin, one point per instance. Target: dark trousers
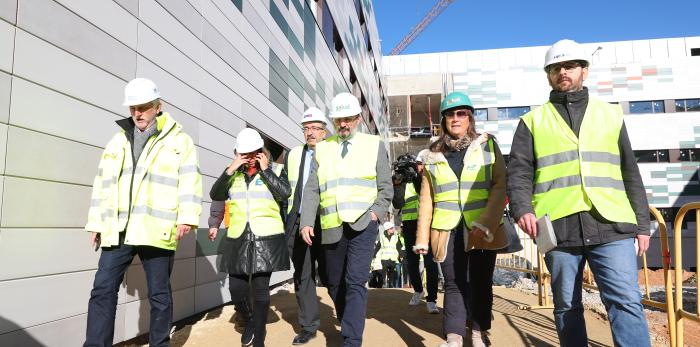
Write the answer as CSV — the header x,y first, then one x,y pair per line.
x,y
304,258
413,262
102,307
468,286
389,272
240,287
347,266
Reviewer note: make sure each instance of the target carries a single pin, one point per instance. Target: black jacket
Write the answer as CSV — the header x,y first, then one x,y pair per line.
x,y
399,199
248,253
584,228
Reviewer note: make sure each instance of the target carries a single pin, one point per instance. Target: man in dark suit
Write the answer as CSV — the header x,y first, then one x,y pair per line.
x,y
304,257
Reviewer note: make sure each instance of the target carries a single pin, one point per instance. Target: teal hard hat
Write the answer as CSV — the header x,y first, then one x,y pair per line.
x,y
455,100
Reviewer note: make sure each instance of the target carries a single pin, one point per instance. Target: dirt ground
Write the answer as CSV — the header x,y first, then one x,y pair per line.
x,y
390,322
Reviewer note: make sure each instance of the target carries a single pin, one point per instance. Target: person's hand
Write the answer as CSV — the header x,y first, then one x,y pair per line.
x,y
182,230
478,232
528,224
95,240
212,233
373,216
421,251
643,243
235,164
306,234
261,158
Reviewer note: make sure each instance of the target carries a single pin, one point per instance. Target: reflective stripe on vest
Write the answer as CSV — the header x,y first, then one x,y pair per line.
x,y
409,211
573,174
388,249
348,186
293,162
464,198
252,203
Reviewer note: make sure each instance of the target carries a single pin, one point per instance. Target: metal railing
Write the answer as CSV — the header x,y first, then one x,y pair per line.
x,y
680,312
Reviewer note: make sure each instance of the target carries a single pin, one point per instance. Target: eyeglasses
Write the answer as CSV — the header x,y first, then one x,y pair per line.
x,y
459,114
569,66
311,129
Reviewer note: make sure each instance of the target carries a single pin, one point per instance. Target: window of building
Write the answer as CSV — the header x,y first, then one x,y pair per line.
x,y
654,106
689,154
687,105
695,52
481,114
512,112
652,156
327,24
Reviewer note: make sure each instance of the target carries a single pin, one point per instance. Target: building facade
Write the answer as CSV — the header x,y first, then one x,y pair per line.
x,y
221,65
656,82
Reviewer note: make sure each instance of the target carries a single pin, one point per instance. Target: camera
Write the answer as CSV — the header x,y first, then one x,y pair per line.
x,y
405,168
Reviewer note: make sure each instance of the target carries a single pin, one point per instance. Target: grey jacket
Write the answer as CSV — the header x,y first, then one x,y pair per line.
x,y
311,199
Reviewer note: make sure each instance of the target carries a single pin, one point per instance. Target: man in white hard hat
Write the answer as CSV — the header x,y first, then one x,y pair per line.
x,y
390,251
146,196
571,160
351,180
297,166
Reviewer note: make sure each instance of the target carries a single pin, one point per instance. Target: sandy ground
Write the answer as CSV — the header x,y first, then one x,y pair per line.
x,y
390,322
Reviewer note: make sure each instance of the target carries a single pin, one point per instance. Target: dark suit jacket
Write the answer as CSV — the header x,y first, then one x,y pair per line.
x,y
293,215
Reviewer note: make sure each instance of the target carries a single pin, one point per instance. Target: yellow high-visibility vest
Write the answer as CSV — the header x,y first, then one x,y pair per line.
x,y
166,189
348,186
293,162
467,196
409,211
574,174
252,203
388,249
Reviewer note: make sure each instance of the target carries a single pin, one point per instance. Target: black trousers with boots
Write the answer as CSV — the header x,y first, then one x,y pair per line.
x,y
240,289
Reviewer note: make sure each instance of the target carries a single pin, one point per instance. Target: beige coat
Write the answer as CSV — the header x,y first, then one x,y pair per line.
x,y
491,217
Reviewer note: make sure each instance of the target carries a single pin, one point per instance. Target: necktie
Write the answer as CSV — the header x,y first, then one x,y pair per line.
x,y
345,149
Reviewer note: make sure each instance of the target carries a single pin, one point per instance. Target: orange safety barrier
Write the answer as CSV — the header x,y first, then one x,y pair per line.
x,y
680,313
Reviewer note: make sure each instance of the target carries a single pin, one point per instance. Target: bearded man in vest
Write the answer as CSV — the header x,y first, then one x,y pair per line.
x,y
146,196
297,167
350,183
571,159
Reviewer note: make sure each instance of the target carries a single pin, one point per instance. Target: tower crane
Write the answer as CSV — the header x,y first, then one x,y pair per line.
x,y
435,11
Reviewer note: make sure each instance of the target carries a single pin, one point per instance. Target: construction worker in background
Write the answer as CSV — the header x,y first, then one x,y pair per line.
x,y
406,199
255,245
297,166
351,180
461,213
571,159
146,196
389,250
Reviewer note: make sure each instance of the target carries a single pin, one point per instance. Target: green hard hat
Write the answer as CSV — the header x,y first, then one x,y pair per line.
x,y
455,100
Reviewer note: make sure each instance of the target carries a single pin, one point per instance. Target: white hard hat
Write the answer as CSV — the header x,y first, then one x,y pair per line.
x,y
565,50
345,105
140,91
313,114
388,225
248,140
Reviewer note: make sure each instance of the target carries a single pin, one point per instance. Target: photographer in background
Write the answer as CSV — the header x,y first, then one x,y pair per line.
x,y
407,180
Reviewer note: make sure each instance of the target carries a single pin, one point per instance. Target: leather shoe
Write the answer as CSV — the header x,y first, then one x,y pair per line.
x,y
303,337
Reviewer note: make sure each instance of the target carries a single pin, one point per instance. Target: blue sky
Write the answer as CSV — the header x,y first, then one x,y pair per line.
x,y
478,24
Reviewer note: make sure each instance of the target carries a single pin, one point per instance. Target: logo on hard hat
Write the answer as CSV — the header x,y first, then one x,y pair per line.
x,y
559,56
453,100
342,107
308,115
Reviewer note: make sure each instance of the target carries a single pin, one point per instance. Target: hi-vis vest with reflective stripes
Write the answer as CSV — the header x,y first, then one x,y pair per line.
x,y
348,186
388,249
166,189
252,203
409,211
293,162
465,197
276,168
574,174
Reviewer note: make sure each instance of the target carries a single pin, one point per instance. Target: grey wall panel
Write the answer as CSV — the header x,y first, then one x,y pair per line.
x,y
2,188
137,289
220,46
211,294
187,246
207,270
136,314
274,124
43,204
183,303
214,114
56,24
159,20
113,19
36,61
27,250
171,89
249,41
207,183
262,11
62,115
221,83
215,140
8,10
189,122
186,14
3,146
7,42
24,302
36,155
5,90
213,164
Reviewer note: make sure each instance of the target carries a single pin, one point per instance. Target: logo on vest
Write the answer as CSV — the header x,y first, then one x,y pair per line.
x,y
258,182
472,167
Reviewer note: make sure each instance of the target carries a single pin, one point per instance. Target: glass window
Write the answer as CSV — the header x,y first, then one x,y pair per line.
x,y
652,156
327,23
689,154
512,112
687,105
655,106
481,114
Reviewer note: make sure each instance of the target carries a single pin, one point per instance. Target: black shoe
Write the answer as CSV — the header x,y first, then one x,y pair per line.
x,y
248,334
303,337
